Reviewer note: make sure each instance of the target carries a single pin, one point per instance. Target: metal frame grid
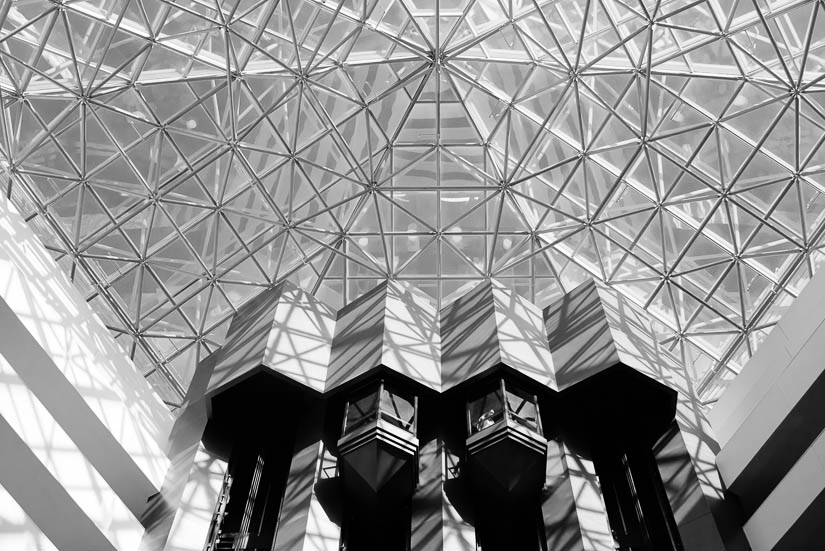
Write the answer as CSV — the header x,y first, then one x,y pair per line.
x,y
175,157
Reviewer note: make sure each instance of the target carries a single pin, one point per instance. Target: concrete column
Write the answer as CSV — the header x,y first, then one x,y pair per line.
x,y
436,525
283,330
304,524
575,518
391,327
593,329
490,327
199,497
194,472
686,459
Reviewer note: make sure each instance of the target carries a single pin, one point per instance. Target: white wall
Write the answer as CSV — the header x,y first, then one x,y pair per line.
x,y
52,481
190,528
17,530
65,355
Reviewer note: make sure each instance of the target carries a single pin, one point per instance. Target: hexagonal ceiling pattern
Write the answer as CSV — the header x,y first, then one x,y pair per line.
x,y
176,157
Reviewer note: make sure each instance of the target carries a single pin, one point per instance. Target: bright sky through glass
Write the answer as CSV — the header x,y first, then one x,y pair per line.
x,y
178,156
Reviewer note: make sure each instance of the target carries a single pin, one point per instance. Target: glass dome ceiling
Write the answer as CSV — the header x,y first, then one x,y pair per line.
x,y
178,156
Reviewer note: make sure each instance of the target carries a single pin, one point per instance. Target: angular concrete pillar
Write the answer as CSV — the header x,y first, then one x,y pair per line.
x,y
593,330
275,358
304,524
282,330
572,505
199,496
436,525
391,327
492,326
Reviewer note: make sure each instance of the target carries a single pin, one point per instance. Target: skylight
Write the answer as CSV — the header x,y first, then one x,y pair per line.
x,y
177,157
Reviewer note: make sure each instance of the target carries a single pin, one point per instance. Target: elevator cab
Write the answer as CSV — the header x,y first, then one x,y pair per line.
x,y
378,465
506,458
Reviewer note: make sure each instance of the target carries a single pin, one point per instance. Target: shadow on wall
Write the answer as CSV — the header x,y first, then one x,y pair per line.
x,y
468,336
689,472
200,494
80,346
301,339
359,336
55,465
17,531
245,343
412,343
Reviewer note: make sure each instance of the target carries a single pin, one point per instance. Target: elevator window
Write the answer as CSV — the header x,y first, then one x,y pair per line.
x,y
503,402
381,403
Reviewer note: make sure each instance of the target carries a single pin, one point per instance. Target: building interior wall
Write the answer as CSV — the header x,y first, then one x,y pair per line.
x,y
619,416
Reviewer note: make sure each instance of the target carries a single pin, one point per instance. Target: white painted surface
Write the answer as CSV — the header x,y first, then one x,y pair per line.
x,y
190,528
522,339
777,362
412,342
19,532
769,400
750,386
790,499
300,340
81,351
97,510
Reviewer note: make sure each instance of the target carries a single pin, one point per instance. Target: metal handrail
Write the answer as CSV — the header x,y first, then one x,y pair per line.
x,y
378,413
529,421
533,423
217,517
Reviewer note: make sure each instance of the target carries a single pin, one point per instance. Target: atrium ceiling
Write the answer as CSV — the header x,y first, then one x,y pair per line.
x,y
177,157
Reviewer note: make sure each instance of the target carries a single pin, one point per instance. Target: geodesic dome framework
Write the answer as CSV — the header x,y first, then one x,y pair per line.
x,y
176,157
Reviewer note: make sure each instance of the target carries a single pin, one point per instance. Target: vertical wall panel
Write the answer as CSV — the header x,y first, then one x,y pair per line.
x,y
436,524
593,328
304,525
190,528
62,352
572,507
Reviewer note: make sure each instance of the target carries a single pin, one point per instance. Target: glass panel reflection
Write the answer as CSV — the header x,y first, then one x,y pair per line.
x,y
508,140
381,402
